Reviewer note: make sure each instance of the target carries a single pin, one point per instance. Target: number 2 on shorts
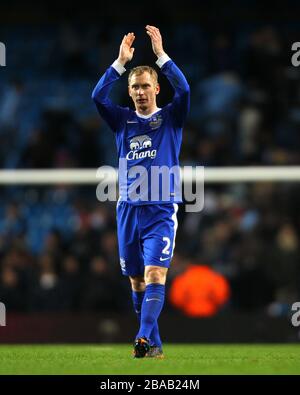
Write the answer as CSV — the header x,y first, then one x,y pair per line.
x,y
166,250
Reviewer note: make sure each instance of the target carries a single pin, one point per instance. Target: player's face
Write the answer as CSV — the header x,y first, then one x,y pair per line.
x,y
143,90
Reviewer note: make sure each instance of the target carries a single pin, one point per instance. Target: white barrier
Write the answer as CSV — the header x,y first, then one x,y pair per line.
x,y
93,176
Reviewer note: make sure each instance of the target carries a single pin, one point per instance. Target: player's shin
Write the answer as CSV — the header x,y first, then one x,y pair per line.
x,y
151,308
137,298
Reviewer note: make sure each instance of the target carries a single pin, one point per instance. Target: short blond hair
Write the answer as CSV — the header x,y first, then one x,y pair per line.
x,y
143,69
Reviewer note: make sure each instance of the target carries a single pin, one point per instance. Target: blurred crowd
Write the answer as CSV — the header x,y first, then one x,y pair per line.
x,y
245,104
59,258
58,246
58,250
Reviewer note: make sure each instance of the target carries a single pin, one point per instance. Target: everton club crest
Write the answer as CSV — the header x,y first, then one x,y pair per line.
x,y
155,121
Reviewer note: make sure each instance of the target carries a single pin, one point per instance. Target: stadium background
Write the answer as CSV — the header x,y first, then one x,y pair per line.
x,y
59,267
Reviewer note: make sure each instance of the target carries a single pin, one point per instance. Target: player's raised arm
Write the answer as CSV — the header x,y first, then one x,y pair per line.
x,y
111,112
181,100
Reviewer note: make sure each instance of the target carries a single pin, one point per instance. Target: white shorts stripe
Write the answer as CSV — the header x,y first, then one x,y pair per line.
x,y
174,218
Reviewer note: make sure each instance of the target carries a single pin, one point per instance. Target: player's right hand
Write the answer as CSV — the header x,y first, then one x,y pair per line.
x,y
126,51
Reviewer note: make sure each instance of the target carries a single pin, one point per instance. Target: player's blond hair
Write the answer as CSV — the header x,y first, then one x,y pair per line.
x,y
142,69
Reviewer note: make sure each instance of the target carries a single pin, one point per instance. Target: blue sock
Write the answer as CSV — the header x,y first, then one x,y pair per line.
x,y
151,307
155,337
137,298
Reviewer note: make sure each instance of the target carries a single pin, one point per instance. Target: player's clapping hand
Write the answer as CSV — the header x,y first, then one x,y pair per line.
x,y
156,40
126,49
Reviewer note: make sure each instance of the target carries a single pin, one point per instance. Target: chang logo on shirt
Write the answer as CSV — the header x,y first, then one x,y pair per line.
x,y
137,145
122,263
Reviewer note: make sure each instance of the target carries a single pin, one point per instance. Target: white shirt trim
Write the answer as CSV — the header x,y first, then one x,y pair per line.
x,y
162,60
118,67
147,116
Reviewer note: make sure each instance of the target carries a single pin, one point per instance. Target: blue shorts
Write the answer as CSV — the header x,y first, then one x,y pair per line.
x,y
146,236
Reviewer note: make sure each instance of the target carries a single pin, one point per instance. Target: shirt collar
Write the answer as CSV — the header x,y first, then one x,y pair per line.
x,y
149,115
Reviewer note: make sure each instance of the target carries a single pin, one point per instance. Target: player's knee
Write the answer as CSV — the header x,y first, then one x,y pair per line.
x,y
137,284
155,275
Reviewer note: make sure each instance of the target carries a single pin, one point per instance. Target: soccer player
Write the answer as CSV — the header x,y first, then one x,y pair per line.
x,y
146,137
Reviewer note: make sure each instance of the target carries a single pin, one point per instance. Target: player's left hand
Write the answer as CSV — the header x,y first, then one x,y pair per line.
x,y
156,40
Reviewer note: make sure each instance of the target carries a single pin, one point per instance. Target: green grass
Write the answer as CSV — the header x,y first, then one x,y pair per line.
x,y
180,359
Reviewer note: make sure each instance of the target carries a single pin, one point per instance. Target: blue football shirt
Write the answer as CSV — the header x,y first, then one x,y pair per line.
x,y
148,146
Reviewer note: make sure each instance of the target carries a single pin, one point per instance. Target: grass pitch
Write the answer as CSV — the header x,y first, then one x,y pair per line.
x,y
179,359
